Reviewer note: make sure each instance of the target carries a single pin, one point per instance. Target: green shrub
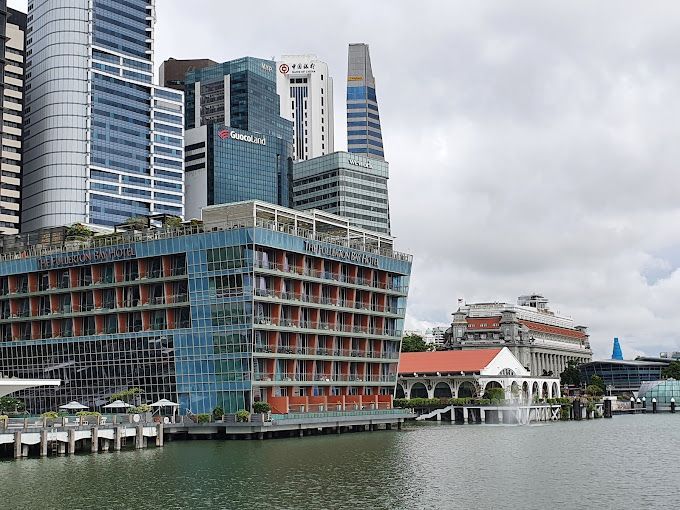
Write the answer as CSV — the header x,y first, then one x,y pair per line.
x,y
203,418
84,413
497,394
594,391
459,401
242,415
261,407
126,395
218,412
140,409
565,412
50,414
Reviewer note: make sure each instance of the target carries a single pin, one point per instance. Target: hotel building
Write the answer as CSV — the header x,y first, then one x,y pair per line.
x,y
364,134
258,302
12,40
542,341
306,91
101,142
349,185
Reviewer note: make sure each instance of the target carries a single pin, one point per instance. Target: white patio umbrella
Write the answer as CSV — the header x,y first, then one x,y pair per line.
x,y
164,402
73,406
117,404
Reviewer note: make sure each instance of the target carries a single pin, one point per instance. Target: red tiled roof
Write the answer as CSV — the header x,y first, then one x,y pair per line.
x,y
555,330
473,360
483,322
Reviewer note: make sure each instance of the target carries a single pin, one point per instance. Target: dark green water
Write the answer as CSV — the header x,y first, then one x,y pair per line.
x,y
627,462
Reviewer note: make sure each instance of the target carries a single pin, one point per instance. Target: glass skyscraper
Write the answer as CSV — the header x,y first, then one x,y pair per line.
x,y
102,143
364,135
237,145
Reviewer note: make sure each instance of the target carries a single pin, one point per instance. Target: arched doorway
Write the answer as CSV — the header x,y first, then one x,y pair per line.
x,y
399,393
544,393
418,390
442,390
466,390
525,391
555,390
495,386
534,391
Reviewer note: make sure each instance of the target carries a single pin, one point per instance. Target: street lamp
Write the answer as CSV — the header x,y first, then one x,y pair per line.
x,y
609,389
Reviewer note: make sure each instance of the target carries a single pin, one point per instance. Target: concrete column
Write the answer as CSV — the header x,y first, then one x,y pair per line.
x,y
94,447
116,438
71,442
17,444
465,415
159,434
139,437
61,448
43,443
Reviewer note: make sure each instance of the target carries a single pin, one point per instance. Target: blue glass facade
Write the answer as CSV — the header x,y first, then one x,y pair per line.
x,y
239,170
364,135
125,135
238,146
204,318
241,94
622,375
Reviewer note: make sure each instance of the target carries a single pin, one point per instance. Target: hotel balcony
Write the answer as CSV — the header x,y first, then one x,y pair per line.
x,y
323,328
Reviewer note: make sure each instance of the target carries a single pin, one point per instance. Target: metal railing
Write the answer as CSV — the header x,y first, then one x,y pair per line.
x,y
325,326
328,275
324,300
323,351
321,378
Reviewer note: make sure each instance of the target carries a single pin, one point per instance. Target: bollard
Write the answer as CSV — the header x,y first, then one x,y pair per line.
x,y
672,405
576,405
654,406
607,408
632,402
644,402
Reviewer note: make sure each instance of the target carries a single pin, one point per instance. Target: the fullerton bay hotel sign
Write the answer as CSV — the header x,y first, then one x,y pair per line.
x,y
86,257
329,250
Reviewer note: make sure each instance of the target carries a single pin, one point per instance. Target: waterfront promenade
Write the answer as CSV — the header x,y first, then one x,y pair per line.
x,y
24,437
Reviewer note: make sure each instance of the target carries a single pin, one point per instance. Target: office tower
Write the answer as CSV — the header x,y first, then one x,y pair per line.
x,y
350,185
237,146
364,135
101,142
172,72
12,39
306,91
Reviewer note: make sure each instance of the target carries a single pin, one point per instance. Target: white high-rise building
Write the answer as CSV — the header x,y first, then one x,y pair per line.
x,y
306,91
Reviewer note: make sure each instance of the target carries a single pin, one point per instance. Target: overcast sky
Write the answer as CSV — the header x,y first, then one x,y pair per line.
x,y
532,145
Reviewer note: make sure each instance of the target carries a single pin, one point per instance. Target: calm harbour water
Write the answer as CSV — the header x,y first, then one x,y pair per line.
x,y
626,462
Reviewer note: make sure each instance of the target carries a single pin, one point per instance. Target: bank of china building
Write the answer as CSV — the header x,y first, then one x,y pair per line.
x,y
258,302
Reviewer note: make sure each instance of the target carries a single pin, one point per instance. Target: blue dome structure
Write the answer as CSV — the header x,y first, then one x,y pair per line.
x,y
617,354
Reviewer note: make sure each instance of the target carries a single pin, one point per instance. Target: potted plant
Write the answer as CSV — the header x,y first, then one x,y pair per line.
x,y
243,416
260,410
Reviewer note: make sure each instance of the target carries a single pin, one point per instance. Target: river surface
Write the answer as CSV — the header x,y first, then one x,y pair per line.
x,y
626,462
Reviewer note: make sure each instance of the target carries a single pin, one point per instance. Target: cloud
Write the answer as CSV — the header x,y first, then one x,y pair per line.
x,y
533,145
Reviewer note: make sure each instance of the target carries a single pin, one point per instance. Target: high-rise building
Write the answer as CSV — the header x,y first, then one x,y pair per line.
x,y
101,142
306,91
12,36
364,135
258,303
237,145
350,185
172,72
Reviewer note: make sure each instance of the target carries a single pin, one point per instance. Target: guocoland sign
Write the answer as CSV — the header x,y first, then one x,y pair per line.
x,y
339,252
95,256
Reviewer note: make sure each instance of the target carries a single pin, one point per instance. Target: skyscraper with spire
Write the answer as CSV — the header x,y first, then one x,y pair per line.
x,y
364,135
